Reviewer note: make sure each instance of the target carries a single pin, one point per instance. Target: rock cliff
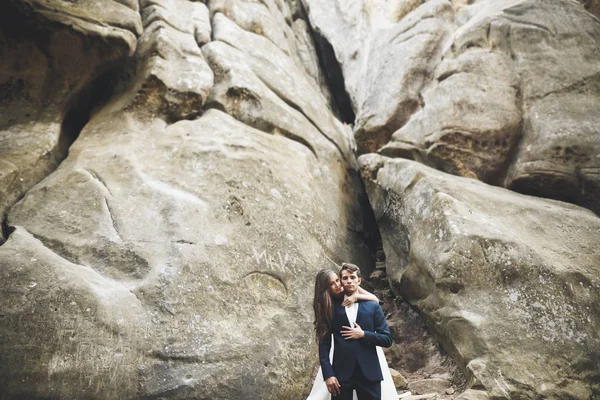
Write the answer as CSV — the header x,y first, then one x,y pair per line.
x,y
173,173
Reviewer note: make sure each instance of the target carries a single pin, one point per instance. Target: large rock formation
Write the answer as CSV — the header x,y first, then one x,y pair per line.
x,y
509,283
174,172
173,252
387,54
503,91
54,57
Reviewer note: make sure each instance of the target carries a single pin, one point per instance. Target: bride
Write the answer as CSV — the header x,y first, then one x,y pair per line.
x,y
327,283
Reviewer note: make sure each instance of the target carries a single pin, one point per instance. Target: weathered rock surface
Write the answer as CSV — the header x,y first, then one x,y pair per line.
x,y
173,252
172,79
399,380
509,283
45,99
282,25
592,6
513,101
502,91
202,230
387,51
433,385
281,76
472,394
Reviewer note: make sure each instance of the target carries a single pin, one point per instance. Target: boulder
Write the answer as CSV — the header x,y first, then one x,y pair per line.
x,y
513,101
45,99
558,154
172,254
509,283
472,394
399,380
471,122
431,385
182,257
387,52
500,91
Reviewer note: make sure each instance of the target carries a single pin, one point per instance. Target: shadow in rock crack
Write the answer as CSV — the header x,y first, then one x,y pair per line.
x,y
5,230
368,234
416,353
80,108
334,75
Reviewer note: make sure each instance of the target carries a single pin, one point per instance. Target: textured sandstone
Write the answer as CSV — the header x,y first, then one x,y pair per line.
x,y
203,230
172,253
501,91
387,51
472,394
510,283
43,97
513,101
172,79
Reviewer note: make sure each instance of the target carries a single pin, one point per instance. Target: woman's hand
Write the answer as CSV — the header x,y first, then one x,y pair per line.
x,y
350,300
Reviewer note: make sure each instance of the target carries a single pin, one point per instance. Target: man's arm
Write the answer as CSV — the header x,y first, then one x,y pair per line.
x,y
382,336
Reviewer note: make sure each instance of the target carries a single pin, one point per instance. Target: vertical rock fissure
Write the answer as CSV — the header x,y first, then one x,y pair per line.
x,y
5,229
80,108
371,234
341,104
78,113
334,76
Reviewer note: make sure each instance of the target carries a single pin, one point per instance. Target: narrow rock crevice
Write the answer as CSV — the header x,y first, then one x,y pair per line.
x,y
417,354
334,76
81,106
370,233
79,109
5,230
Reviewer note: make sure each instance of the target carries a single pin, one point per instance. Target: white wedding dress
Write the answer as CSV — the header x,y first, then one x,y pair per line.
x,y
388,390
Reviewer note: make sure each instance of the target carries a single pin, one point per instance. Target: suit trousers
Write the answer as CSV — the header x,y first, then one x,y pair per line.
x,y
365,389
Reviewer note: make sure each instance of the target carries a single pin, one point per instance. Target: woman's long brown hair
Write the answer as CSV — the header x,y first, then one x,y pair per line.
x,y
322,304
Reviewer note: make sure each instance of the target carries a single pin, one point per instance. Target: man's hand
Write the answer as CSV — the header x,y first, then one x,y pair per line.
x,y
353,333
350,300
333,386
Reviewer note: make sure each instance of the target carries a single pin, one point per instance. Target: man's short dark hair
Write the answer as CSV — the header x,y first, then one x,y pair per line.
x,y
351,268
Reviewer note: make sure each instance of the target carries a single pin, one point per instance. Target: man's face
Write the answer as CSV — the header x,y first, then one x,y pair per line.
x,y
335,287
350,282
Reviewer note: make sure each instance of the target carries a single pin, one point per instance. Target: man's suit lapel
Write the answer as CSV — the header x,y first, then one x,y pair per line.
x,y
359,313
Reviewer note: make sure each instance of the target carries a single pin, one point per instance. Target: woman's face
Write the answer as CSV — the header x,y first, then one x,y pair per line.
x,y
335,287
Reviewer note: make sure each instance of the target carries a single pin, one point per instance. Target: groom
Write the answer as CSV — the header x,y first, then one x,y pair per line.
x,y
356,331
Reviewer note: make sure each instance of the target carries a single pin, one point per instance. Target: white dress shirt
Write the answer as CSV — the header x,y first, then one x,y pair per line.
x,y
351,312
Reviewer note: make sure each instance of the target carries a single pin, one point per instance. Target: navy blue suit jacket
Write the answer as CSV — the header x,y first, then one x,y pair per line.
x,y
353,353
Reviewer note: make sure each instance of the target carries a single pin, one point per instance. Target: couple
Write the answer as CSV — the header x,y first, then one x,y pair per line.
x,y
352,319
